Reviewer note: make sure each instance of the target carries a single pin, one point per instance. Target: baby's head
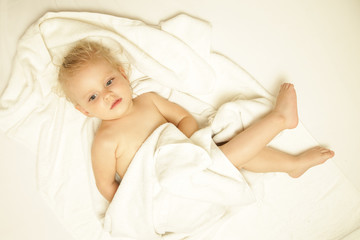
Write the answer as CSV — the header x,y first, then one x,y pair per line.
x,y
80,56
90,77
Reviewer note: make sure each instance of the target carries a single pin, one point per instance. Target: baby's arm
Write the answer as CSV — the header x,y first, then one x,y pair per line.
x,y
104,167
176,114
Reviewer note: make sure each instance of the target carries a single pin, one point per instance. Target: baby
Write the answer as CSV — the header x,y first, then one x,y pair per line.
x,y
98,86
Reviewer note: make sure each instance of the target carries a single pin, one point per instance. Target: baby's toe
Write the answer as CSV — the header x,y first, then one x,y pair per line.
x,y
326,154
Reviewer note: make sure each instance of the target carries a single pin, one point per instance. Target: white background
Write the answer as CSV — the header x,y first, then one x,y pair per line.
x,y
314,44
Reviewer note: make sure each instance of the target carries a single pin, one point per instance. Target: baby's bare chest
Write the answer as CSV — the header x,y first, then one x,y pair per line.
x,y
131,136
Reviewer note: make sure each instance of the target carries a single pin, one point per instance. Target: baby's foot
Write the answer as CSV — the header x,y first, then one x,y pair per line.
x,y
286,105
310,158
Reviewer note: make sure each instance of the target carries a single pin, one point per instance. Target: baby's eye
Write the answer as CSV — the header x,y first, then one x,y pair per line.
x,y
92,98
108,83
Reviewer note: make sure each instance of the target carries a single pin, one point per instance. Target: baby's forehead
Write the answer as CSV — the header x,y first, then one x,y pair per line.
x,y
99,64
94,71
100,61
96,60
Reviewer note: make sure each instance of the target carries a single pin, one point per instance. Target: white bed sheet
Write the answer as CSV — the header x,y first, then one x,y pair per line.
x,y
313,45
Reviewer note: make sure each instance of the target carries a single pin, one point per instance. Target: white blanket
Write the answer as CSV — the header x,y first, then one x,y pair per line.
x,y
174,60
176,186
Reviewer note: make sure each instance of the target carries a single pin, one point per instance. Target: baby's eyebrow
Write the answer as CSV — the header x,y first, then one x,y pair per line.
x,y
88,94
109,75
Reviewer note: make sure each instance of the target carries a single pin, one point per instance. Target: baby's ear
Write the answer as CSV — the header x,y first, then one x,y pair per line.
x,y
123,72
82,110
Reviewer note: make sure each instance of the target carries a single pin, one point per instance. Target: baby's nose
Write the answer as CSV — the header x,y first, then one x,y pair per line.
x,y
109,97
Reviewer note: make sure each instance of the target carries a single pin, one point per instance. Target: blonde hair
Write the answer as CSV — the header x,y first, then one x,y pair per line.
x,y
79,56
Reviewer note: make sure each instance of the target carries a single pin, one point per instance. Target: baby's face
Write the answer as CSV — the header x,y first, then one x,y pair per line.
x,y
101,90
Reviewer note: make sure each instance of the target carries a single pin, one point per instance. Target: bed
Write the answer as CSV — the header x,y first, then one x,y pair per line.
x,y
313,45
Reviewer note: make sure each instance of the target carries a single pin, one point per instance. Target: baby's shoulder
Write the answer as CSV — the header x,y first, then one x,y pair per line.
x,y
148,95
152,99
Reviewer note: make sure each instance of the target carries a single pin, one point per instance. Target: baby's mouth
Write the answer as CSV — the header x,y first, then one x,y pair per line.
x,y
116,103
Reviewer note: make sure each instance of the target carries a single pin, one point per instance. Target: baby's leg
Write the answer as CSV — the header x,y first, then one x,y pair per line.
x,y
272,160
248,143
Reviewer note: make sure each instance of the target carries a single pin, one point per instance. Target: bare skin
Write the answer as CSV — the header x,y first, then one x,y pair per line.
x,y
310,158
252,153
272,160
